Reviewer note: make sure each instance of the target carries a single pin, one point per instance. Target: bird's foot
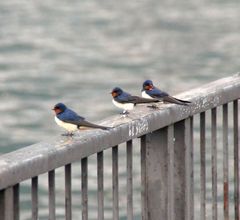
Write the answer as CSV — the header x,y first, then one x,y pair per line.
x,y
125,113
69,134
153,106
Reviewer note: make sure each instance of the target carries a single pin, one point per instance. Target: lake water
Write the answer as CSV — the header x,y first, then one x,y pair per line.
x,y
77,51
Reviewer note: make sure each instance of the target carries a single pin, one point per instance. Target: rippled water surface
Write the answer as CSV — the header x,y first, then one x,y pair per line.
x,y
77,51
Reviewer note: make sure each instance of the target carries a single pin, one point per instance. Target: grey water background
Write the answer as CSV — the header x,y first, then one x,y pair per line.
x,y
77,51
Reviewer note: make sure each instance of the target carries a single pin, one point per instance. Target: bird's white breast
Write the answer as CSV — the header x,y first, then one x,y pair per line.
x,y
145,95
69,127
125,106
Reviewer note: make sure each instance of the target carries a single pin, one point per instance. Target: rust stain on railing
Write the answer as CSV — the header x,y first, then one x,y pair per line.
x,y
226,200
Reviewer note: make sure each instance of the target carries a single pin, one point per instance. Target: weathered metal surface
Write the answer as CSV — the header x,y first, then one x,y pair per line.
x,y
236,158
189,207
51,195
214,163
179,165
68,192
129,181
171,197
100,170
2,203
203,164
9,204
84,178
34,198
157,174
225,162
16,202
144,177
115,183
183,174
42,157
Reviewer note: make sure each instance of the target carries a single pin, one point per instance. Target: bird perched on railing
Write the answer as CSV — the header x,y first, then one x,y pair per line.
x,y
71,121
152,92
127,101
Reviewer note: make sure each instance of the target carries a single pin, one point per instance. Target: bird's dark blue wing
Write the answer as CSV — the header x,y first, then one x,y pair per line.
x,y
123,98
165,97
70,116
156,93
127,98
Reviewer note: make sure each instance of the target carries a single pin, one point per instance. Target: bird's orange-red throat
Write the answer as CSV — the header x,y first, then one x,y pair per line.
x,y
114,94
148,87
57,110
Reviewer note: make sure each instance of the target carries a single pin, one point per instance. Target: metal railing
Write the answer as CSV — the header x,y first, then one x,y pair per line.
x,y
167,149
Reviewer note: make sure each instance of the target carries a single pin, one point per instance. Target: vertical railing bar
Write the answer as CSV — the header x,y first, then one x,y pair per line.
x,y
84,166
16,201
203,163
115,183
236,159
189,168
225,162
143,178
9,204
35,198
100,170
170,143
2,203
129,181
51,194
214,163
68,191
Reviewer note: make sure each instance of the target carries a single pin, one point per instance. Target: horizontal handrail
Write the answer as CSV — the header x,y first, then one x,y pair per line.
x,y
42,157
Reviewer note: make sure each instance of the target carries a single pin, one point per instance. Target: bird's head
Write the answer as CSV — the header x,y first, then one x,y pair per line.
x,y
148,85
59,108
116,92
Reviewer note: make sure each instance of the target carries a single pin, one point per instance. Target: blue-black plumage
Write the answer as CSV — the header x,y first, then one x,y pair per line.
x,y
70,120
152,92
126,101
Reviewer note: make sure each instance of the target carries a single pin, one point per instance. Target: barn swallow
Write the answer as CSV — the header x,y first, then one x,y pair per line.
x,y
126,101
152,92
71,121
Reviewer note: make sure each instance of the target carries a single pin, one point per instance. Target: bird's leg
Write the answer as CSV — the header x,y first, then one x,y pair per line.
x,y
71,134
68,134
65,134
153,106
125,113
